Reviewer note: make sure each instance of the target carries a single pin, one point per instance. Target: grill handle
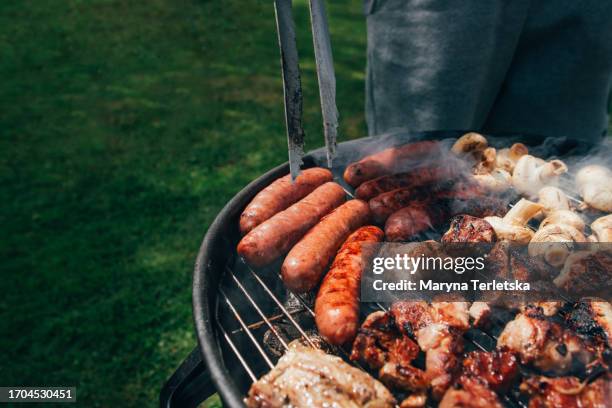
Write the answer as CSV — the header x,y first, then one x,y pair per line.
x,y
189,385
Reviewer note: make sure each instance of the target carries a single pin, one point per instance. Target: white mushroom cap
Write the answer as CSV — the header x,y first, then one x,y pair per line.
x,y
531,174
498,180
510,232
548,241
470,143
565,217
507,158
602,228
487,161
523,211
553,198
594,183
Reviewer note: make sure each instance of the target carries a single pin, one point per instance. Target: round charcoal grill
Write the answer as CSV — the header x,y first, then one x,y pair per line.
x,y
244,318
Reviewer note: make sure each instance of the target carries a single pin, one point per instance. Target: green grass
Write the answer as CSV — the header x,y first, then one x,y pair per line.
x,y
125,126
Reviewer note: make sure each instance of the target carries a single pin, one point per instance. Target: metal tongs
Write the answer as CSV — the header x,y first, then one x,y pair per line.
x,y
292,85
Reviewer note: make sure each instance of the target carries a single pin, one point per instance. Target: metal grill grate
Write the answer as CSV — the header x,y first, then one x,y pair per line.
x,y
255,303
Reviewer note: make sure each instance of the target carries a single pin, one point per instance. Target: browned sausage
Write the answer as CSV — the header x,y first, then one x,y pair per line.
x,y
389,161
275,236
431,175
306,262
421,216
337,303
410,221
281,194
385,204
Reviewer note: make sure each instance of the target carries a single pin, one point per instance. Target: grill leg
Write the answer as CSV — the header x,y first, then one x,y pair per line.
x,y
189,385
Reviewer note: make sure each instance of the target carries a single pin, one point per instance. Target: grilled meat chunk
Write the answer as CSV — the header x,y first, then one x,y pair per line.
x,y
593,318
466,228
506,261
307,377
496,369
567,392
482,374
438,329
585,272
470,393
545,344
480,314
381,346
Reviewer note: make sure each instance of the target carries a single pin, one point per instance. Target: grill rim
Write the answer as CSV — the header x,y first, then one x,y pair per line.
x,y
215,251
208,270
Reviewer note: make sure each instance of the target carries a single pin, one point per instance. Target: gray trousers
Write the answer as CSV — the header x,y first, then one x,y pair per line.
x,y
539,67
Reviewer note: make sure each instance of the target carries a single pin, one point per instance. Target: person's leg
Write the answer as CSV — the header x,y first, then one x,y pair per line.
x,y
559,81
438,64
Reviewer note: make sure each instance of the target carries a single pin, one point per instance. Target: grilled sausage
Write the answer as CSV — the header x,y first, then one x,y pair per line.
x,y
307,260
275,236
385,204
409,221
281,194
420,216
337,303
415,178
387,161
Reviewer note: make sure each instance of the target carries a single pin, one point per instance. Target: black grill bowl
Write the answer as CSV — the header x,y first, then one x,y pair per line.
x,y
208,369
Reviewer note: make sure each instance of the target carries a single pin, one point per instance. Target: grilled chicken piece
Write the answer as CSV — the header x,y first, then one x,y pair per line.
x,y
592,318
496,369
585,272
466,228
482,374
416,400
567,392
508,262
307,377
545,344
381,346
438,329
480,313
470,393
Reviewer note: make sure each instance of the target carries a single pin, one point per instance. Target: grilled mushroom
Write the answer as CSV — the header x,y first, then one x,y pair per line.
x,y
513,226
594,184
531,174
497,180
564,217
506,158
470,143
602,228
548,242
552,199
